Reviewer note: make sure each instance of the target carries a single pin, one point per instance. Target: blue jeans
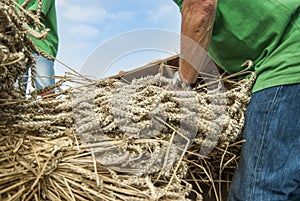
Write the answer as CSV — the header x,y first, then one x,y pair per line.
x,y
44,69
269,167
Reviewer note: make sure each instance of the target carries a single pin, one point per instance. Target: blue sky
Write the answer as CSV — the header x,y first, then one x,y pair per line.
x,y
85,26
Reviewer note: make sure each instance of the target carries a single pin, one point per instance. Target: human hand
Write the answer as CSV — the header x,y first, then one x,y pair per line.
x,y
179,84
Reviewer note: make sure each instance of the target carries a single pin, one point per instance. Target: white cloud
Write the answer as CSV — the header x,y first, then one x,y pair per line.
x,y
61,3
93,14
122,15
84,31
165,11
83,13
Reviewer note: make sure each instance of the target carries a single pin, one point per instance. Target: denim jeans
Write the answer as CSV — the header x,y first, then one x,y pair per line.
x,y
269,167
44,68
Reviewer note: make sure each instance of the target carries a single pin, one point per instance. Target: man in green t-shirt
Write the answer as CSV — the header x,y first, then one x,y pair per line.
x,y
268,33
44,68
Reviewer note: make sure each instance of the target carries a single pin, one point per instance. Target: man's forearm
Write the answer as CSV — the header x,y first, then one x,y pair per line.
x,y
197,24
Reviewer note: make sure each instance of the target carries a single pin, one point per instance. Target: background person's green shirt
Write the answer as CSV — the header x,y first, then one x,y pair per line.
x,y
50,44
267,32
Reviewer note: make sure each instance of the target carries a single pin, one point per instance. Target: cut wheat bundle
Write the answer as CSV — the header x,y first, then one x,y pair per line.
x,y
113,147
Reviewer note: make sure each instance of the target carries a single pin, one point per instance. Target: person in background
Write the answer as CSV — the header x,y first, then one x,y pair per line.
x,y
44,67
268,33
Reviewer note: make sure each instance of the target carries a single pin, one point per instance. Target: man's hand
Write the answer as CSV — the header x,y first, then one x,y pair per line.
x,y
178,83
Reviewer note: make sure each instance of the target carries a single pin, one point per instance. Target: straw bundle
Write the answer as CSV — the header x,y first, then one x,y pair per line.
x,y
45,154
37,168
112,140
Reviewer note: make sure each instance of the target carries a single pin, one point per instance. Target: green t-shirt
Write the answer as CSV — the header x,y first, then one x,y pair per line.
x,y
267,32
50,44
179,3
